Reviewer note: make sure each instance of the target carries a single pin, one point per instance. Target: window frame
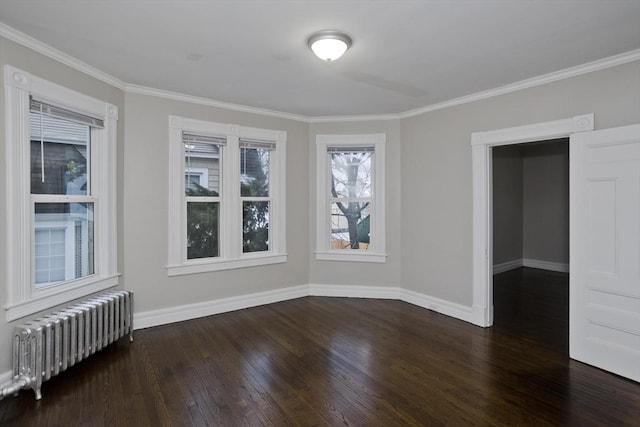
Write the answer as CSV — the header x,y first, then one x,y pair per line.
x,y
23,298
230,214
377,250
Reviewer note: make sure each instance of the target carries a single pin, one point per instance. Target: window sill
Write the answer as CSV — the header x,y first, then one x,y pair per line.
x,y
351,256
64,295
194,267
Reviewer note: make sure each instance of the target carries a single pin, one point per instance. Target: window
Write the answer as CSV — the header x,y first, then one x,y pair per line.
x,y
350,198
202,195
227,196
61,198
60,171
255,194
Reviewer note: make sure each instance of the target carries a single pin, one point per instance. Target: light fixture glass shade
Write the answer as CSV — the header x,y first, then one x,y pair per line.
x,y
329,45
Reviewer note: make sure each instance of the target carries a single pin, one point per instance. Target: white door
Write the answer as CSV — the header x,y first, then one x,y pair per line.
x,y
605,249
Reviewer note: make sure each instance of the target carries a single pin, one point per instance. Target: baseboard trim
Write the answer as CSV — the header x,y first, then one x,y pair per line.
x,y
148,319
507,266
546,265
354,291
164,316
438,305
531,263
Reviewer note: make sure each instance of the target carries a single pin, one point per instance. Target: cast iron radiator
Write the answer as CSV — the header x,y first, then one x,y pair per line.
x,y
49,344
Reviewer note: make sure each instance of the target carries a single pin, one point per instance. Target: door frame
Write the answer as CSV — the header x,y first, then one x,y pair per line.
x,y
482,144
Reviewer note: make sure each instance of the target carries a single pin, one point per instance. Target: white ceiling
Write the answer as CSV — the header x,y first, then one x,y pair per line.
x,y
406,54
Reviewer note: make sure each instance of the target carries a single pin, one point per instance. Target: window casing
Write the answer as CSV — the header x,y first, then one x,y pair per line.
x,y
235,217
350,198
61,201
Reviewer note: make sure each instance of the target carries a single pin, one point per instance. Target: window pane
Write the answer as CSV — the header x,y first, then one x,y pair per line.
x,y
254,172
255,226
59,155
202,169
350,225
351,174
63,242
202,230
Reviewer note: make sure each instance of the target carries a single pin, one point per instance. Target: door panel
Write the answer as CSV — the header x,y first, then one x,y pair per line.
x,y
605,249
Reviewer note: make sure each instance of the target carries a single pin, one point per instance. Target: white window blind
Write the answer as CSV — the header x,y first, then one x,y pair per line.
x,y
42,107
195,139
251,143
351,149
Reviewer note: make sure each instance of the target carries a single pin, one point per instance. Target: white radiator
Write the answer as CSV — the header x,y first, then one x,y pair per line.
x,y
51,343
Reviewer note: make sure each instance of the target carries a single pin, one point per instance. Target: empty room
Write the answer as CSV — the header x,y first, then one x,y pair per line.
x,y
279,212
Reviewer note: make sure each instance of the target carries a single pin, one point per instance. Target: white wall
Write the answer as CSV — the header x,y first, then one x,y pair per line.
x,y
349,273
146,204
545,222
39,65
507,204
436,168
531,204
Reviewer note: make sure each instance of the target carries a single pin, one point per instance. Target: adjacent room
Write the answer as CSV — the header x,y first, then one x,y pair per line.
x,y
531,241
221,213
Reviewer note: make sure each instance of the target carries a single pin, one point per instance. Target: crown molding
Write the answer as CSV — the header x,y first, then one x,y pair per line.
x,y
38,46
578,70
53,53
362,118
177,96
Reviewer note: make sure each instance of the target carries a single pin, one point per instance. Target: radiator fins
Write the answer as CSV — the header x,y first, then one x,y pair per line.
x,y
50,344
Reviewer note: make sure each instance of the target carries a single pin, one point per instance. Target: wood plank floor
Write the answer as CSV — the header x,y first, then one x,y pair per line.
x,y
533,305
330,361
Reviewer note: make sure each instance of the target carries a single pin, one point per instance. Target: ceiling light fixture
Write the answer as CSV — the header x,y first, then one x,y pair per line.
x,y
329,45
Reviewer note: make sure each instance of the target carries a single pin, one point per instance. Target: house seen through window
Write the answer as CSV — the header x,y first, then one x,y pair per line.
x,y
63,206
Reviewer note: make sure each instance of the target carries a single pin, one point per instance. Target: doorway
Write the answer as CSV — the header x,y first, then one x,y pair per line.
x,y
530,188
482,144
604,231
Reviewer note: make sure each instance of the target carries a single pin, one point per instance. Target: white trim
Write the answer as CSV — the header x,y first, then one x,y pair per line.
x,y
438,305
163,316
589,67
355,291
53,53
43,48
351,256
22,298
578,70
507,266
87,287
534,132
224,264
560,267
230,214
448,308
208,102
481,146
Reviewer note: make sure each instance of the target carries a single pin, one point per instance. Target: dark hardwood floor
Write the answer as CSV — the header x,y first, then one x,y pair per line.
x,y
533,305
330,361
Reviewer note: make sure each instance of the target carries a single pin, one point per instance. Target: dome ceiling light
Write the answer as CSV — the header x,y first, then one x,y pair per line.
x,y
329,45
